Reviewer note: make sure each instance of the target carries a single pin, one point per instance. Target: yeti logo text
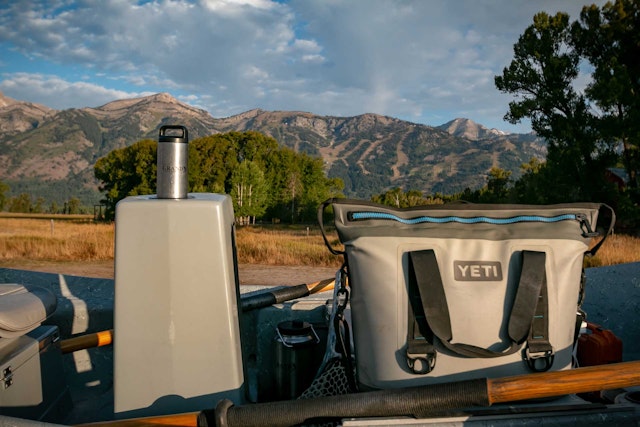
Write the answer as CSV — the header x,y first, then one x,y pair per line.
x,y
477,271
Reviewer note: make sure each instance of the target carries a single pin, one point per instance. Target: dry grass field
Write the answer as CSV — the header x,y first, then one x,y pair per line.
x,y
55,238
65,238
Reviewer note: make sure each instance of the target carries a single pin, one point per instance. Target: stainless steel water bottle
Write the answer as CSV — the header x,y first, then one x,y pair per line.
x,y
173,156
296,361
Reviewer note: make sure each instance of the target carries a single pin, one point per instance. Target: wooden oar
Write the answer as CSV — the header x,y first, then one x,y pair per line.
x,y
421,401
429,400
558,383
252,302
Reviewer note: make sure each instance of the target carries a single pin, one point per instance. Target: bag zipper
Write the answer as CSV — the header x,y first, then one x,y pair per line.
x,y
370,215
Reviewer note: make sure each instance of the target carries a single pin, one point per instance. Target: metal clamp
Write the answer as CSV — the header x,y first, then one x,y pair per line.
x,y
286,343
426,363
532,359
7,377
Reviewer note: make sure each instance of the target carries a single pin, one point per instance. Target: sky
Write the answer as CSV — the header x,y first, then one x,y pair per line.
x,y
425,61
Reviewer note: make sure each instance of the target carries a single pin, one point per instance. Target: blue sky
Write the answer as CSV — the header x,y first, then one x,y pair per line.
x,y
426,61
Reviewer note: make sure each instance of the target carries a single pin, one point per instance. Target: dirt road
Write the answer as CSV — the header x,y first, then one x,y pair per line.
x,y
250,274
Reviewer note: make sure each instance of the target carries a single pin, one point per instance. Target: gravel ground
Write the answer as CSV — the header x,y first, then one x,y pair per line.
x,y
612,293
613,301
267,275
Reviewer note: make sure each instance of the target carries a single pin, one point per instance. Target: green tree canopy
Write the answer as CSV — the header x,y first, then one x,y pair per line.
x,y
20,203
126,172
248,190
263,178
610,40
398,198
73,206
585,127
543,76
4,190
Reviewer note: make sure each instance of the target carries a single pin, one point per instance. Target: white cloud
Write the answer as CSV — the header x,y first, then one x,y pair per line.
x,y
231,6
57,93
410,59
316,59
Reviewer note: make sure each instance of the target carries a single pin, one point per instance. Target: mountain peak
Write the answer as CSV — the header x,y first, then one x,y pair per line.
x,y
19,116
467,128
5,101
163,97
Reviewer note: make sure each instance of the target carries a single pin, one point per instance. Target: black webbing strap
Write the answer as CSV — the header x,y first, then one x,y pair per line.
x,y
539,352
343,335
528,300
420,352
532,284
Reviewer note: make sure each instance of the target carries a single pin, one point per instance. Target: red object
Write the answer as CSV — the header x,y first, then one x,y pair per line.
x,y
599,347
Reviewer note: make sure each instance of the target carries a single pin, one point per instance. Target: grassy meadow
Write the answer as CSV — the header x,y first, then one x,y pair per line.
x,y
66,238
54,238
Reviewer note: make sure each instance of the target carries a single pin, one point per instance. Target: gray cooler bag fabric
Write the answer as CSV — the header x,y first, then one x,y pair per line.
x,y
449,292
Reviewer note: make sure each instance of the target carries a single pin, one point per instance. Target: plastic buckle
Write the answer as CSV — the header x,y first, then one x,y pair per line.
x,y
426,363
545,356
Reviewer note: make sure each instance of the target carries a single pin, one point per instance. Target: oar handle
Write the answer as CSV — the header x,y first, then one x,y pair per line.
x,y
97,339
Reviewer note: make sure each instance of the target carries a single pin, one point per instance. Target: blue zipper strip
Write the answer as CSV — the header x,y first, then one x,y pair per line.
x,y
472,220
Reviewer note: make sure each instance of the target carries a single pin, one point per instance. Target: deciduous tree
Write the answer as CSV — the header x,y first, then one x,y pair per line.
x,y
126,172
262,177
4,190
248,191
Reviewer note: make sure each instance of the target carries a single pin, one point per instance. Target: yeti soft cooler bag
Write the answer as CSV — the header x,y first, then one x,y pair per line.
x,y
449,292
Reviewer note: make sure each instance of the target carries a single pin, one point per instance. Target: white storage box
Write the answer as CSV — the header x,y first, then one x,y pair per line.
x,y
32,381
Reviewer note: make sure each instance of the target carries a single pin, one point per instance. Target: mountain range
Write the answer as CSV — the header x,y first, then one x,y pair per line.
x,y
50,153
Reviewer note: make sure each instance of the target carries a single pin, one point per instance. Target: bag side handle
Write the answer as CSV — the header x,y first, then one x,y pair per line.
x,y
593,250
323,206
427,276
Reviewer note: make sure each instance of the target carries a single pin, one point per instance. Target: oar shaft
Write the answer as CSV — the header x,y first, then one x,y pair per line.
x,y
253,302
288,293
550,384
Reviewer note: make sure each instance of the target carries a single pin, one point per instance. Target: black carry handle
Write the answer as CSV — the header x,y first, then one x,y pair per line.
x,y
183,135
321,210
532,282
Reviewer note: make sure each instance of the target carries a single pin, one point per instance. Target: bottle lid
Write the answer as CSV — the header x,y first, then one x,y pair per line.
x,y
173,133
295,327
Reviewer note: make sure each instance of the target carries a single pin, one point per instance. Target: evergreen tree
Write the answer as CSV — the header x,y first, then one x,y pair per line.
x,y
610,39
543,76
588,127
